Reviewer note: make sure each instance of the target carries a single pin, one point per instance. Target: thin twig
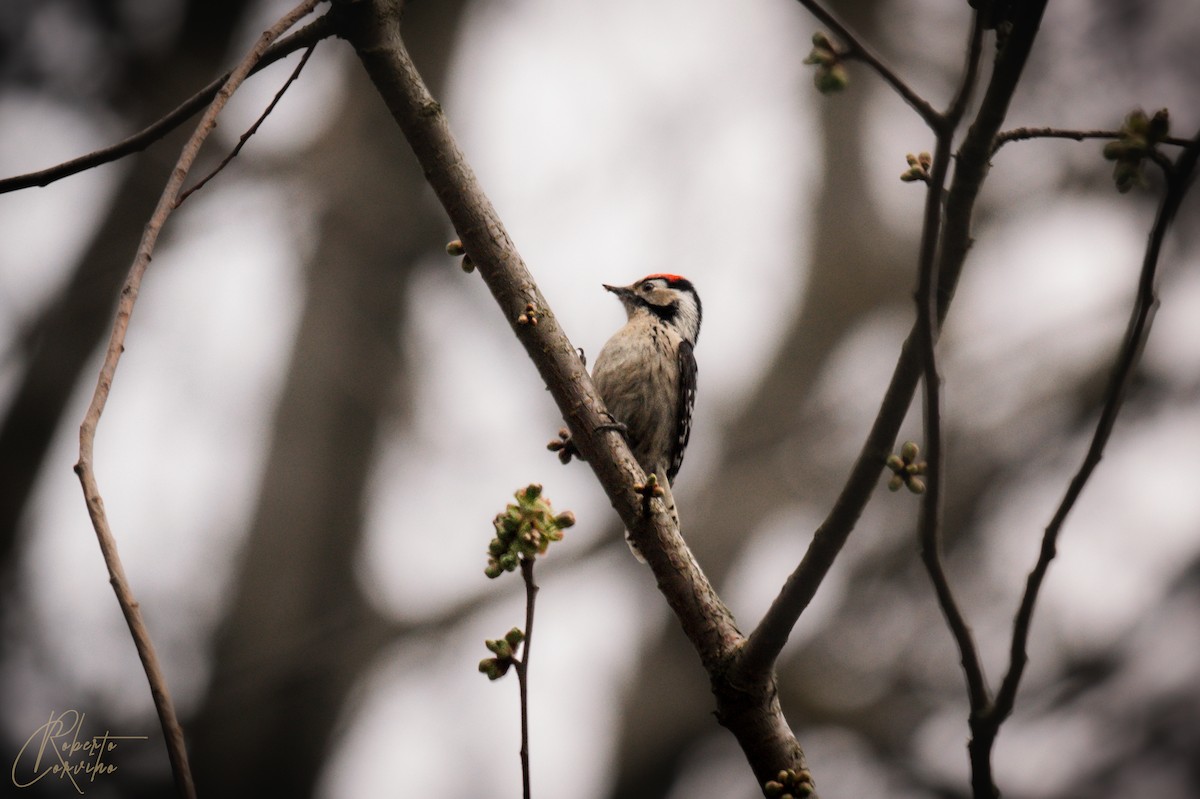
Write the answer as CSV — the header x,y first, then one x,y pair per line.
x,y
245,137
929,524
1140,321
522,665
307,36
958,105
858,50
176,747
1022,134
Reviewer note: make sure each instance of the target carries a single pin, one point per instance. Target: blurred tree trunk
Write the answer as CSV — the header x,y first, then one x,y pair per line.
x,y
299,633
857,267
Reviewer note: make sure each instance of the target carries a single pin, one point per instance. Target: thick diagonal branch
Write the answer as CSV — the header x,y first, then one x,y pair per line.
x,y
754,716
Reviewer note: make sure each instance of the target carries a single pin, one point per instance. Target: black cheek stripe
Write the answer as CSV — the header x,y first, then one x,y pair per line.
x,y
667,313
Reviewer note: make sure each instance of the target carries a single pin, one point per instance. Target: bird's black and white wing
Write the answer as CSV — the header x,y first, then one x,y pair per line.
x,y
687,401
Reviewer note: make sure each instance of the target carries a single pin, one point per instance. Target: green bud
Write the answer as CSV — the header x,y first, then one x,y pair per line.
x,y
494,669
493,570
832,78
895,463
514,637
564,520
821,57
773,788
1136,122
1116,150
500,646
916,485
455,248
896,483
821,39
1160,125
1127,174
531,492
468,265
910,451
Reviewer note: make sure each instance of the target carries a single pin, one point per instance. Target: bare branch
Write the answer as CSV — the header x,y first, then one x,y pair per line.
x,y
859,51
768,638
958,106
305,37
1145,304
1023,134
531,590
928,332
373,29
163,703
751,712
245,137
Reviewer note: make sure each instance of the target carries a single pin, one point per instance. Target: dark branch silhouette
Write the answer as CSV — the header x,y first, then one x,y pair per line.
x,y
303,38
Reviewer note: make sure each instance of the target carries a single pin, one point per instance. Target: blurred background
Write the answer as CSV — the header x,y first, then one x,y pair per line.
x,y
318,413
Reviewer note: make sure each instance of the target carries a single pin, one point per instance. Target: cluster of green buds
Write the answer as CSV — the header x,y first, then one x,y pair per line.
x,y
505,651
1137,139
456,248
524,530
918,167
790,784
907,468
831,73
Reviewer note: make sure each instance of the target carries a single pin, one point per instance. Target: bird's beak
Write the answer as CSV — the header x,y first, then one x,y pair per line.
x,y
620,291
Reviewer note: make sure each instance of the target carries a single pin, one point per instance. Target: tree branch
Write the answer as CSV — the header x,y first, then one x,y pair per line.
x,y
522,665
245,137
373,29
1022,134
754,716
163,703
1140,321
929,523
762,648
751,713
307,36
857,50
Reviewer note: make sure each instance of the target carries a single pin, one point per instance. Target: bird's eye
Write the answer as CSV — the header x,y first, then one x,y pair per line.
x,y
647,287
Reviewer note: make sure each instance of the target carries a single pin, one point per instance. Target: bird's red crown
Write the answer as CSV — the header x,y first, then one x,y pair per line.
x,y
667,277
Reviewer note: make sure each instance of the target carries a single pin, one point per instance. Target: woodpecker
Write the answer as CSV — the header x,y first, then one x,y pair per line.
x,y
646,373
